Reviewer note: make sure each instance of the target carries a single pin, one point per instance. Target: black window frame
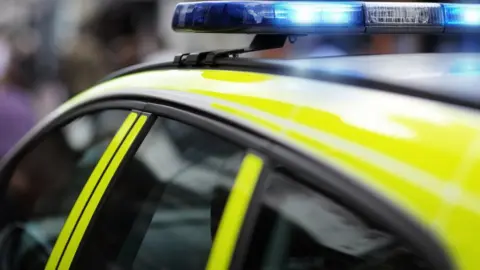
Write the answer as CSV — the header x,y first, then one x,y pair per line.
x,y
344,189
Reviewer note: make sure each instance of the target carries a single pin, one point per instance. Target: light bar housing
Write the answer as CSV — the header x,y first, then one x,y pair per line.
x,y
300,18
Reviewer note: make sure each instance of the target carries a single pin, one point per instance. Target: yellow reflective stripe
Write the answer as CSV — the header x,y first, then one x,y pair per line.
x,y
98,194
235,210
86,192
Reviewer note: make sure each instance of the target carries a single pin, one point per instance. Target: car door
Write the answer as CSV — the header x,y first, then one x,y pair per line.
x,y
47,181
177,200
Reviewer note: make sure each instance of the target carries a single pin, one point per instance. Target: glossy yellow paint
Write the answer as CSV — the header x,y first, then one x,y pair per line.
x,y
222,75
235,210
413,151
84,196
100,189
460,218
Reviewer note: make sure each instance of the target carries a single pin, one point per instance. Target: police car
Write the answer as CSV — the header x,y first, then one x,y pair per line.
x,y
214,161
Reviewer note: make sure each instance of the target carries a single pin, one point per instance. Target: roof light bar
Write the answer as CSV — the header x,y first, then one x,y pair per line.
x,y
284,17
462,18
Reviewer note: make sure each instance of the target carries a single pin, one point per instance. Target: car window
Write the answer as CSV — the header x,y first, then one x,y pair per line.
x,y
301,229
162,210
45,185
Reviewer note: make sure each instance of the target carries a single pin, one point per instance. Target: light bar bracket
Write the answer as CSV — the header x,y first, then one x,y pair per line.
x,y
259,43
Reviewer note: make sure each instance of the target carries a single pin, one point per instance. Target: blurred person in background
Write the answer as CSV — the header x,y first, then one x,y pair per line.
x,y
114,37
17,115
84,63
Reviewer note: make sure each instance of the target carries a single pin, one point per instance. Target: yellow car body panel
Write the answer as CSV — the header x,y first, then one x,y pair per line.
x,y
422,155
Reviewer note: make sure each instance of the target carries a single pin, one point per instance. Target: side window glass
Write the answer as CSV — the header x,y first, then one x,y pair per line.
x,y
45,186
300,229
162,210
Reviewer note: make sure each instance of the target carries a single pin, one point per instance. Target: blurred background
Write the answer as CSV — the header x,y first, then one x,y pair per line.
x,y
52,49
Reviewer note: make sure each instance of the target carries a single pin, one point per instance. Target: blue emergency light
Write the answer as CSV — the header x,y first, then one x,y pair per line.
x,y
299,18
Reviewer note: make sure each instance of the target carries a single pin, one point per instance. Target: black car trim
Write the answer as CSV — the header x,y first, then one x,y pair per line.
x,y
210,123
250,65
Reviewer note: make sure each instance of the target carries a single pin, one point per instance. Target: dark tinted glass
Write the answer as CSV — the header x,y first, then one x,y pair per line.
x,y
45,186
163,208
300,229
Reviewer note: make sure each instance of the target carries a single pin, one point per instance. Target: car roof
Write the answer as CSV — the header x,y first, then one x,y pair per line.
x,y
454,75
446,77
